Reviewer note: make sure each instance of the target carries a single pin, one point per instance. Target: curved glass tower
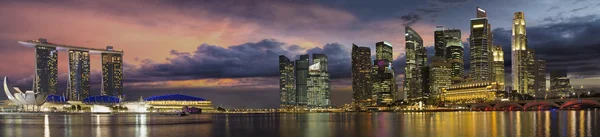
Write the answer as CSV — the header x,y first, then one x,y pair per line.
x,y
416,59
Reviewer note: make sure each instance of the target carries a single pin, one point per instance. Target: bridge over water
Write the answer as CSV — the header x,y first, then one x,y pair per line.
x,y
567,103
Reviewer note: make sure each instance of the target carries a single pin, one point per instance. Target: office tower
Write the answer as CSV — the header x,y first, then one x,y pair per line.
x,y
498,65
442,37
361,75
46,69
540,78
287,92
416,60
455,56
519,53
439,75
384,89
560,85
301,80
426,81
481,56
531,72
112,73
319,91
79,75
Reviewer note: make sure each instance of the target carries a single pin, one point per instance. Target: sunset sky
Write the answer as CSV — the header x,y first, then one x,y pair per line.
x,y
227,51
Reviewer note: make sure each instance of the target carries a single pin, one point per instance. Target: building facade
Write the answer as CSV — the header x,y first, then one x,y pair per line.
x,y
287,92
79,75
472,92
301,70
540,79
361,75
319,90
440,76
498,65
46,69
560,84
480,48
112,74
521,57
384,89
416,60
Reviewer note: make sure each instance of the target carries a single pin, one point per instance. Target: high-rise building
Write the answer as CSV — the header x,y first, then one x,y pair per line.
x,y
319,91
520,60
287,92
384,89
439,74
560,85
361,75
416,60
79,75
531,72
540,78
440,42
112,73
46,69
455,55
301,70
480,48
498,65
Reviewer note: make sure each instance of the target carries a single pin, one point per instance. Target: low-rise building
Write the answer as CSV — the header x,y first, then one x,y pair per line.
x,y
472,92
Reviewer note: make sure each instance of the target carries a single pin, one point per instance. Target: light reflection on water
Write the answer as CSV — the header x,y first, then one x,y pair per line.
x,y
464,124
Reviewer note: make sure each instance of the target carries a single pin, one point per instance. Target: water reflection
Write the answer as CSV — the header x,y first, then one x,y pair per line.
x,y
467,124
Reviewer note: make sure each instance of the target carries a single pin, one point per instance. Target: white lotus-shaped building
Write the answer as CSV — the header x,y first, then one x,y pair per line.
x,y
29,98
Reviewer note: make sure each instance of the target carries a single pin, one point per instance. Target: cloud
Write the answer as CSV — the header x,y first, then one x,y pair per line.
x,y
553,8
410,19
579,9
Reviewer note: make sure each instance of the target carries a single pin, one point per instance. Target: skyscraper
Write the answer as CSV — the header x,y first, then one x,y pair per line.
x,y
540,78
440,71
384,83
519,53
46,69
79,75
287,92
560,85
440,42
319,91
361,75
481,56
498,65
416,60
301,70
455,55
531,72
112,73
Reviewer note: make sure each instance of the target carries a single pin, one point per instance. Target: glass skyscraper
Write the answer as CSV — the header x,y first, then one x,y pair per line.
x,y
287,92
79,75
560,85
319,90
439,75
301,70
46,69
361,75
416,60
480,48
384,83
455,56
112,74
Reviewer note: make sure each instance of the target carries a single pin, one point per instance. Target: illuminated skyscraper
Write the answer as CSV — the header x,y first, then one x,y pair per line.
x,y
301,70
498,65
520,78
480,48
46,69
319,91
112,73
540,78
384,83
361,75
287,92
442,37
416,60
79,75
439,76
454,54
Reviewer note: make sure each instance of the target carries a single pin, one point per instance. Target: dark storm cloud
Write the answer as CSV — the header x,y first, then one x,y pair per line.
x,y
572,43
241,61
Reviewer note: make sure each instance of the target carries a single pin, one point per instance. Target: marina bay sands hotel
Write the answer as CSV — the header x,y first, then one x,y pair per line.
x,y
78,88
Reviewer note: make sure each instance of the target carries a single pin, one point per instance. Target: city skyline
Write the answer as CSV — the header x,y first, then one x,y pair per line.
x,y
147,71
